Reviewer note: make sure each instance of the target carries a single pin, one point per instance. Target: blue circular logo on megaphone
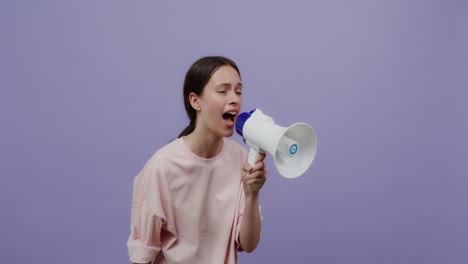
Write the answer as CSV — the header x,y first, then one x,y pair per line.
x,y
293,149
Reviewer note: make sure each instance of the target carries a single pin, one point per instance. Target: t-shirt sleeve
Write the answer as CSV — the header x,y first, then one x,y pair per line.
x,y
144,242
148,218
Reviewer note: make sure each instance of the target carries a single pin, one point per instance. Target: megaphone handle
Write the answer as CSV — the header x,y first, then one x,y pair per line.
x,y
252,156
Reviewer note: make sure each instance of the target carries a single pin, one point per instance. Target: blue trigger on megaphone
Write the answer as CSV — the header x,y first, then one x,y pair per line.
x,y
293,148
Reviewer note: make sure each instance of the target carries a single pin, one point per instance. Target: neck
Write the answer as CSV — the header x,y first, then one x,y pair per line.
x,y
204,144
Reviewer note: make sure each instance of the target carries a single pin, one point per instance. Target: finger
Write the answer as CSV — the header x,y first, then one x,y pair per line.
x,y
246,167
258,166
256,181
255,175
260,157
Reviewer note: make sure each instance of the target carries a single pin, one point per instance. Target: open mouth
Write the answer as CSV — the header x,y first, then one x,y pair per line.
x,y
229,116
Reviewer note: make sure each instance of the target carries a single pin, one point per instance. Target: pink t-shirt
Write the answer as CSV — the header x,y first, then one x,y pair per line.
x,y
188,209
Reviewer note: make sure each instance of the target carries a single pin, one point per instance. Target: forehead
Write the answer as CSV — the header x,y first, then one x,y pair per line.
x,y
225,75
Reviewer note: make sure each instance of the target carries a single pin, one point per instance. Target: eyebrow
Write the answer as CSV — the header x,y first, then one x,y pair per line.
x,y
228,84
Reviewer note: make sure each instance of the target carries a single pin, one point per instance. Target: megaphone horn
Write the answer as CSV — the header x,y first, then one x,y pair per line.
x,y
292,148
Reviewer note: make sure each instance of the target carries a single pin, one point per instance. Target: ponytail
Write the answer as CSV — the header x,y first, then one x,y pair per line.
x,y
189,129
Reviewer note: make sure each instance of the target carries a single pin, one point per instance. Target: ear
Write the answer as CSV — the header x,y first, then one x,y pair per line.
x,y
195,101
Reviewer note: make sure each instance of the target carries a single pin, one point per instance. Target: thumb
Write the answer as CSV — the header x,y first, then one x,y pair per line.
x,y
244,170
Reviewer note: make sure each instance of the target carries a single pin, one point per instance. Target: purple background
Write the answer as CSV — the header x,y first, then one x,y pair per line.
x,y
91,89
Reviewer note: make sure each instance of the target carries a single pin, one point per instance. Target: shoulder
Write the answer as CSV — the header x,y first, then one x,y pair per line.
x,y
160,157
166,155
159,164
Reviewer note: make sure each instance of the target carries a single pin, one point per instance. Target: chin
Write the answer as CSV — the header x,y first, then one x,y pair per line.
x,y
229,133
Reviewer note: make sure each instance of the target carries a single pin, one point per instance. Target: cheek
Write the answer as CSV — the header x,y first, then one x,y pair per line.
x,y
212,110
218,104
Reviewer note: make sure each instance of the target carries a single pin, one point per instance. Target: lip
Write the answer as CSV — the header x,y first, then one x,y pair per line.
x,y
235,117
233,110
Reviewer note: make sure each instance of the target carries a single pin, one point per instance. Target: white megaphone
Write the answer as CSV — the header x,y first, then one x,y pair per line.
x,y
292,148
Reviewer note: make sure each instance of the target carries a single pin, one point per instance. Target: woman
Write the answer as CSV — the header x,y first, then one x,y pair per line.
x,y
197,199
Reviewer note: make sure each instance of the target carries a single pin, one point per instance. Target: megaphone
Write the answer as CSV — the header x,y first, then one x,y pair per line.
x,y
292,148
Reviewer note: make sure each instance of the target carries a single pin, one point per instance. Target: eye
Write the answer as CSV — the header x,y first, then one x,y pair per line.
x,y
239,93
222,92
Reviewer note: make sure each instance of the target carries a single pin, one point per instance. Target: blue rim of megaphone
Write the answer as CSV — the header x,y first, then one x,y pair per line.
x,y
240,122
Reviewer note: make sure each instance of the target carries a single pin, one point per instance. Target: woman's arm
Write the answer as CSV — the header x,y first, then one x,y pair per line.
x,y
251,226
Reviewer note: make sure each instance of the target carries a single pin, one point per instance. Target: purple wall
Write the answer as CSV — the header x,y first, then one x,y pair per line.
x,y
90,89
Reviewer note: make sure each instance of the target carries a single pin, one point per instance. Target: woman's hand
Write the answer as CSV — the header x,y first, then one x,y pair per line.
x,y
254,177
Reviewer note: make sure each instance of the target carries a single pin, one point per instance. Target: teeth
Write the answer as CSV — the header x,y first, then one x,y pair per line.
x,y
232,113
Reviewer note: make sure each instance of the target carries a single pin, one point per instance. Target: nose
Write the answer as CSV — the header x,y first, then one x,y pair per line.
x,y
235,98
